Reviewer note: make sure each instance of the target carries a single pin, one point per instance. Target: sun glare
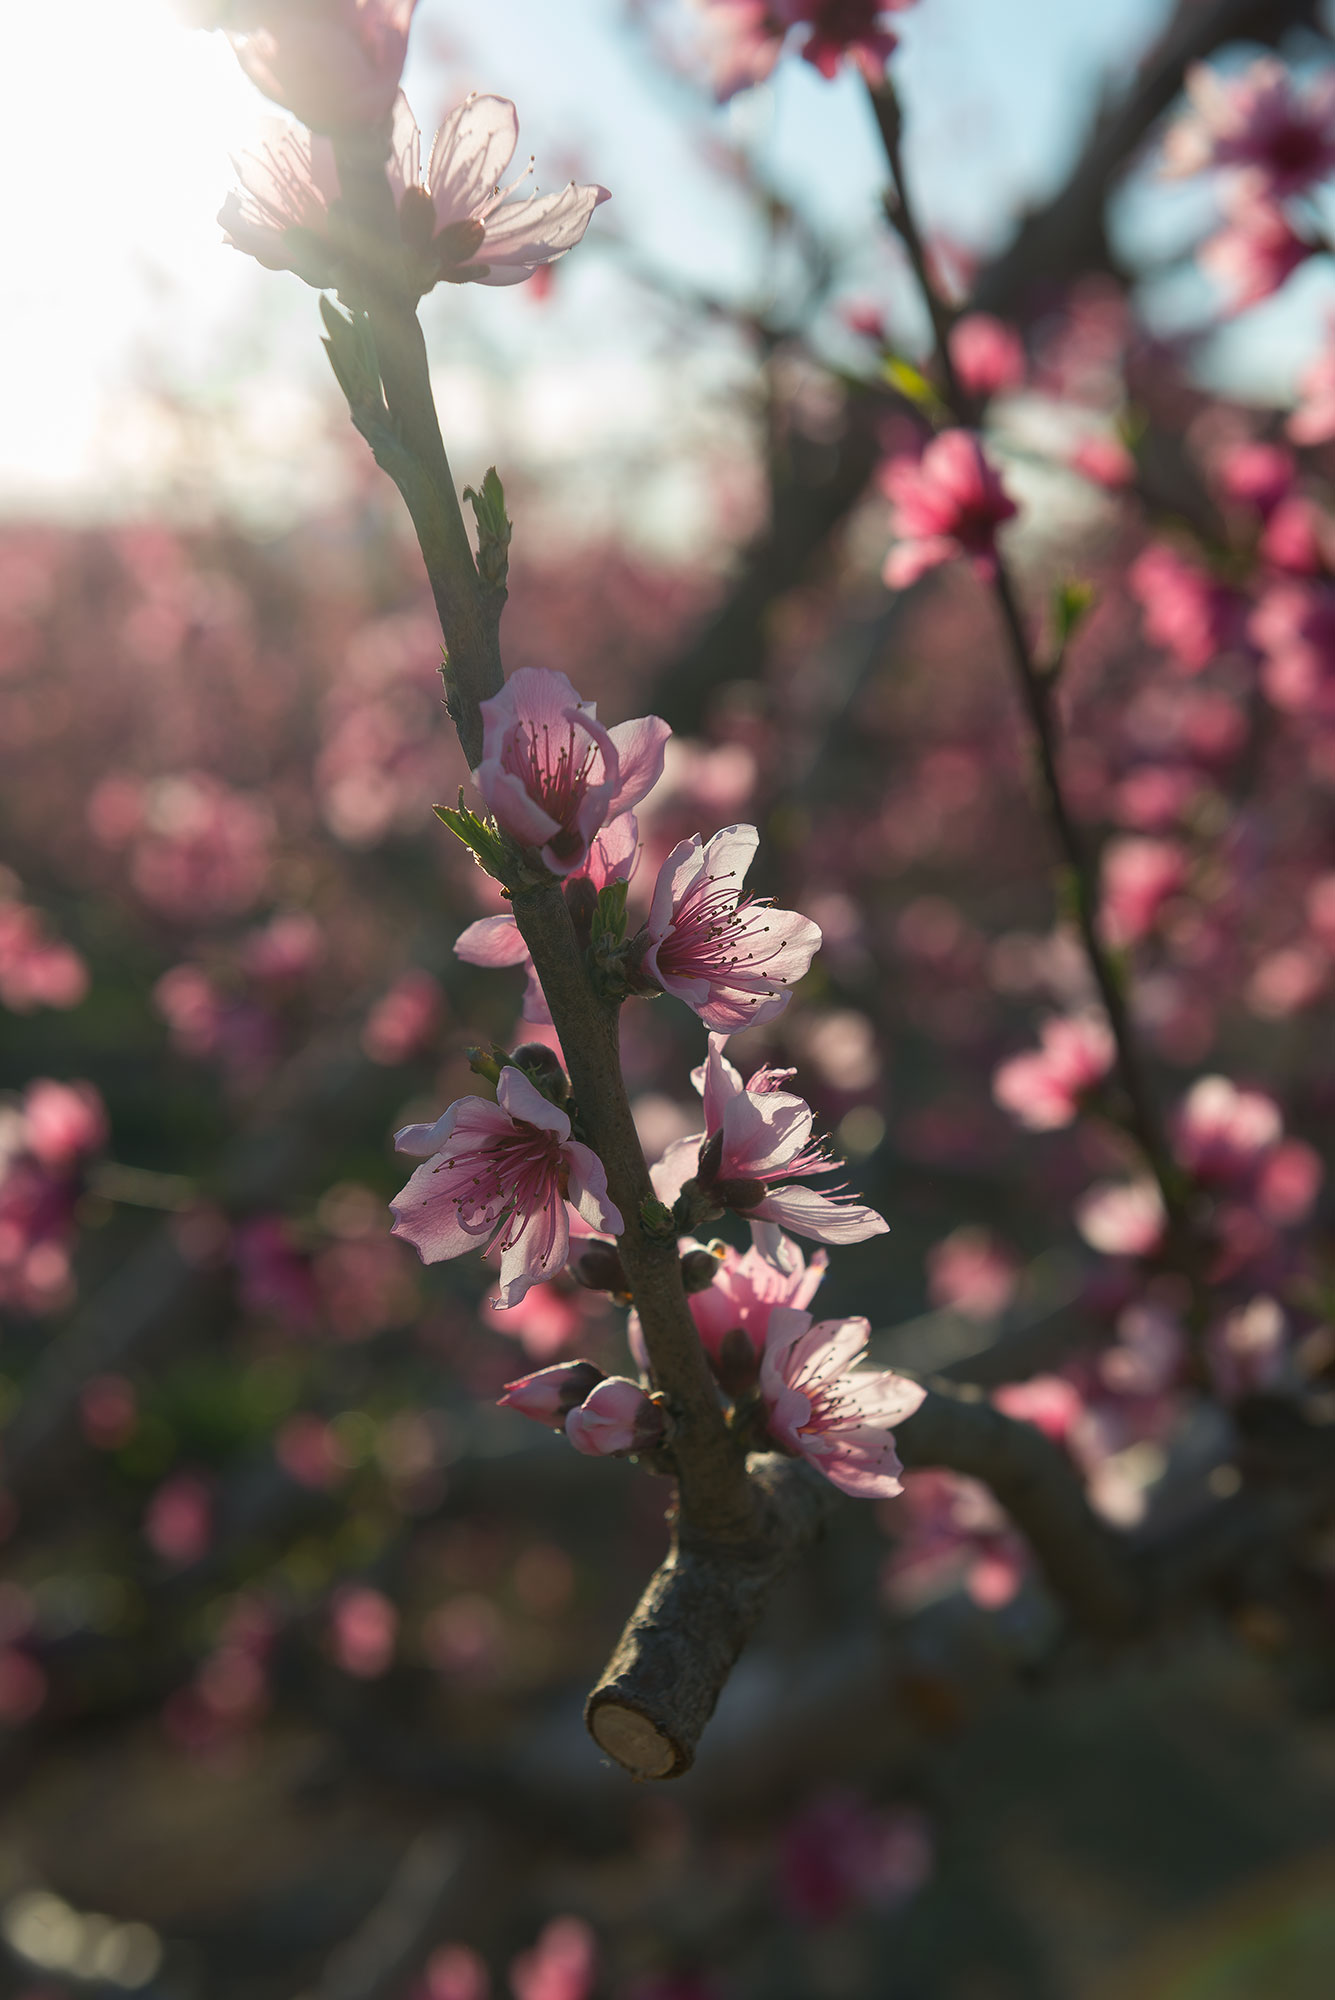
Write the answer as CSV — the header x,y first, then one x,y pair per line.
x,y
115,127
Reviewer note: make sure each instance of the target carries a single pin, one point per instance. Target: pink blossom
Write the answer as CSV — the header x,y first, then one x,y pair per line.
x,y
204,850
1288,1181
309,1451
36,970
454,1972
1293,626
287,948
986,354
63,1121
839,1854
179,1523
501,1172
364,1627
732,1315
482,231
1121,1219
613,855
1248,1350
334,64
544,1323
948,503
1049,1402
845,30
552,775
1255,252
734,959
1185,611
561,1965
743,40
1221,1132
1105,461
952,1531
403,1022
1257,473
824,1408
971,1272
1139,877
1296,537
1044,1090
459,225
551,1394
1280,135
1313,422
615,1418
273,1273
756,1147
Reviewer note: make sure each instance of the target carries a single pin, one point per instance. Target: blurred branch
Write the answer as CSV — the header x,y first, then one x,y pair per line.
x,y
1057,243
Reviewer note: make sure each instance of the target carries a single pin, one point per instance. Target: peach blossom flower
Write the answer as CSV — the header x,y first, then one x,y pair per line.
x,y
334,64
732,1314
948,503
615,1419
732,958
824,1408
552,775
1044,1090
501,1173
1278,135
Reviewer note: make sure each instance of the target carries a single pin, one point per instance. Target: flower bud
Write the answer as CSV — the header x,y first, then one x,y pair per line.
x,y
614,1419
542,1066
599,1269
711,1159
550,1394
736,1363
582,903
699,1268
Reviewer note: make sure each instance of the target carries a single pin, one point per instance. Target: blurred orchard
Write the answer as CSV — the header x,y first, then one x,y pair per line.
x,y
969,522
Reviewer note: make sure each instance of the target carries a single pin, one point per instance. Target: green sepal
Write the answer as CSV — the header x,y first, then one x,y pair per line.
x,y
486,1063
486,843
1072,602
657,1220
350,345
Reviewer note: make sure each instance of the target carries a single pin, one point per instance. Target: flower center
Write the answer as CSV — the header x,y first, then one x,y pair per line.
x,y
555,772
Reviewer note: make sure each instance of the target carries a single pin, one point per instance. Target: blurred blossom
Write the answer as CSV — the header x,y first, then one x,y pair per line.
x,y
1276,134
841,1854
309,1451
1313,422
463,1636
365,1286
948,503
1149,1352
1121,1219
63,1121
204,850
562,1965
1248,1351
286,949
453,1972
1293,626
1257,473
1185,611
336,66
273,1273
950,1533
972,1272
363,1629
36,970
1049,1402
1139,877
1105,461
1254,254
1044,1091
108,1411
403,1022
548,1319
179,1523
987,355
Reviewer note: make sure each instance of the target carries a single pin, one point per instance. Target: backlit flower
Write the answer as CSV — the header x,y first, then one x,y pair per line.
x,y
501,1173
732,1314
733,958
1280,135
481,231
948,503
822,1406
754,1155
334,64
552,775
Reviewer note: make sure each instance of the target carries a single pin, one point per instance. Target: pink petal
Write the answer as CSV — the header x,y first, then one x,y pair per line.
x,y
819,1216
470,153
538,1250
491,941
639,748
588,1190
515,1094
523,234
677,1166
510,803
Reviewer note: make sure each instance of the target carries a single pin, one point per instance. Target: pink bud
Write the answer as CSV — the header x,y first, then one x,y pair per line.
x,y
552,1393
616,1418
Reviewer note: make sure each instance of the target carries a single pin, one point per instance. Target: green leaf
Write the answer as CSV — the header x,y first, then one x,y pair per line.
x,y
1072,603
491,849
493,530
913,385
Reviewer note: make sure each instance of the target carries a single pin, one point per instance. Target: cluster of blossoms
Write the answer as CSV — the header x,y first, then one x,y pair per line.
x,y
745,38
511,1175
36,969
1273,141
337,70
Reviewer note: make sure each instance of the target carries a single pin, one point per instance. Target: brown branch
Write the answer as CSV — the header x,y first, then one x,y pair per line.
x,y
683,1638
